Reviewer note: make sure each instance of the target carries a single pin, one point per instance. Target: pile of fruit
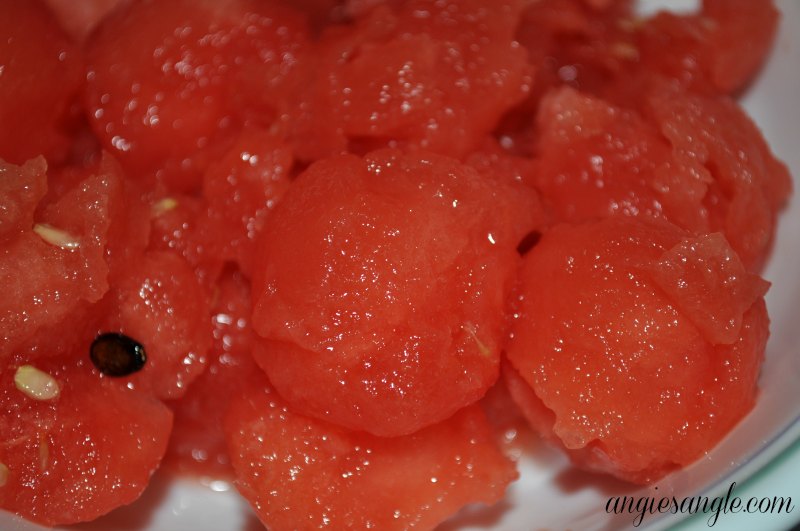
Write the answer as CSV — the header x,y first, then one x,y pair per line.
x,y
297,243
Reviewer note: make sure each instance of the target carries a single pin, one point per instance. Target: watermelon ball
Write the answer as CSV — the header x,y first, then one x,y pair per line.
x,y
302,473
382,285
75,446
41,72
436,75
748,185
639,344
167,80
595,160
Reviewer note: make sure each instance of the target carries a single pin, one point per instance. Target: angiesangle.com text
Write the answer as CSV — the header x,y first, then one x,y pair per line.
x,y
714,507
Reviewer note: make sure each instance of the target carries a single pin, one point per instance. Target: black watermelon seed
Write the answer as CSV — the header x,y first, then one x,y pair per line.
x,y
529,242
116,354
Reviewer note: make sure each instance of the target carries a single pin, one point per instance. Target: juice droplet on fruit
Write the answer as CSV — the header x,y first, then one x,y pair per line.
x,y
116,354
56,237
36,384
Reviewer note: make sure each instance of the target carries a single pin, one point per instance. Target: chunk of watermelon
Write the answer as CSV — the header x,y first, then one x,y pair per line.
x,y
382,285
198,443
432,75
40,76
82,454
168,79
299,472
161,304
610,337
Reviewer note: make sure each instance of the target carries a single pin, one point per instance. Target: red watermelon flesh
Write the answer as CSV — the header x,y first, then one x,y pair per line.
x,y
390,274
168,79
40,76
610,51
21,189
694,160
161,304
241,188
595,160
749,187
432,75
180,226
301,473
717,50
613,52
198,443
55,260
638,381
380,279
82,454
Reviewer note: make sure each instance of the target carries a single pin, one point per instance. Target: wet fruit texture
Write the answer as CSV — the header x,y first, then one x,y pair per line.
x,y
35,57
162,305
694,160
382,285
241,188
437,75
76,457
197,444
74,264
747,185
343,479
52,262
614,53
596,160
324,222
640,343
168,79
717,50
606,49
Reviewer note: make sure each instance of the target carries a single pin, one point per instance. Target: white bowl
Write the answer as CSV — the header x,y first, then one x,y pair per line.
x,y
551,494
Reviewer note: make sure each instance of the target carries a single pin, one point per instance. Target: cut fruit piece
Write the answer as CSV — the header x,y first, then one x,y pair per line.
x,y
161,305
168,79
596,160
749,185
40,75
381,288
433,75
81,454
198,444
300,473
55,259
708,283
633,386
